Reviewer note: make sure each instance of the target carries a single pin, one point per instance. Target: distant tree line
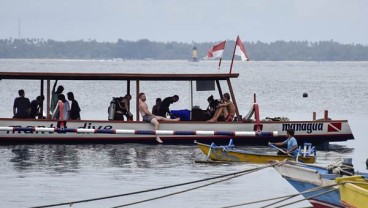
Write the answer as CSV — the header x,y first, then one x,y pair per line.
x,y
146,49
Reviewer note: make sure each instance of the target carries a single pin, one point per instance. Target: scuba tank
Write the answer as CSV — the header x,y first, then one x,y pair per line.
x,y
111,109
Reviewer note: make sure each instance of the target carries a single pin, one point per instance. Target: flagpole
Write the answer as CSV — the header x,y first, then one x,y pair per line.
x,y
219,65
232,60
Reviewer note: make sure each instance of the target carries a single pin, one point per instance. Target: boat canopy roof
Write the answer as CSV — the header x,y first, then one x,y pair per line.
x,y
113,76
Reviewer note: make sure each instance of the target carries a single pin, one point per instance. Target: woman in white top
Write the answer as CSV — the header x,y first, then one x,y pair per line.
x,y
62,109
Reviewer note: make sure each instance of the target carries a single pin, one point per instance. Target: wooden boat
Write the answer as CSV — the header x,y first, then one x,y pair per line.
x,y
305,177
353,191
230,154
318,132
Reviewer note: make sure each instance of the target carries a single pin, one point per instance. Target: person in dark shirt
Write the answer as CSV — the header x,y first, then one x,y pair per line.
x,y
123,108
164,107
149,117
22,106
74,109
156,107
36,107
55,95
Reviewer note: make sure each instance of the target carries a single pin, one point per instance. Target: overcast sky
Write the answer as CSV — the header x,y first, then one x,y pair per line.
x,y
344,21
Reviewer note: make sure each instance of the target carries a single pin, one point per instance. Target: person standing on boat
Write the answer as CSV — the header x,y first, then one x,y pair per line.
x,y
22,106
156,107
74,109
62,109
165,104
55,96
149,117
123,108
226,109
36,107
290,142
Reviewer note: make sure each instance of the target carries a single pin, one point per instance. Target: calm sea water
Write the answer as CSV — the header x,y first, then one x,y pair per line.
x,y
34,175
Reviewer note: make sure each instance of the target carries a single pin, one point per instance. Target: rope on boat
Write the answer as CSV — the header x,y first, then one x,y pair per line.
x,y
190,189
341,168
146,132
304,192
159,188
320,194
285,197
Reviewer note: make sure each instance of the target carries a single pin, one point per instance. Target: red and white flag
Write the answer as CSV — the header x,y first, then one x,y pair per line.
x,y
240,50
216,51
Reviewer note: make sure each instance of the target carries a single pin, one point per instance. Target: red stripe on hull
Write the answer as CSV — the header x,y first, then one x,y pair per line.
x,y
320,204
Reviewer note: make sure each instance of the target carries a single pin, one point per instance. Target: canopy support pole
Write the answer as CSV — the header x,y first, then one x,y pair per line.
x,y
191,94
219,89
41,94
48,99
233,98
128,87
137,100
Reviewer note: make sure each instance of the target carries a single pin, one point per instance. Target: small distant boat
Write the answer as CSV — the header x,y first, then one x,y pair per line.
x,y
230,154
194,54
353,191
305,177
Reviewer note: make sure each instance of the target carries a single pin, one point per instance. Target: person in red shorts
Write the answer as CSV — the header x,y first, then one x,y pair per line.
x,y
226,108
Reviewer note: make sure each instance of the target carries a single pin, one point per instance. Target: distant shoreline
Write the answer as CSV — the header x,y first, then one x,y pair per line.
x,y
151,50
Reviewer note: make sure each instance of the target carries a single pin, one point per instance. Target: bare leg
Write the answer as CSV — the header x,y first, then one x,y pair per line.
x,y
218,113
160,118
156,125
226,113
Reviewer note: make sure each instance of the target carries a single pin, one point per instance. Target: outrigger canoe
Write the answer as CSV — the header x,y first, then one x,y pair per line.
x,y
353,191
230,154
319,184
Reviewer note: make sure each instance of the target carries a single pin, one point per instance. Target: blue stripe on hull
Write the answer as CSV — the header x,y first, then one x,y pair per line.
x,y
332,198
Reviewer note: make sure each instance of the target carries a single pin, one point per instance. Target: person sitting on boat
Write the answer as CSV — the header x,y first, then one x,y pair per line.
x,y
74,109
290,142
165,104
226,109
21,106
211,109
62,109
122,108
36,107
156,107
55,95
149,117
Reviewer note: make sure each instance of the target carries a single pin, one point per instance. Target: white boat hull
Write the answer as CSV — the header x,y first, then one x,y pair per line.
x,y
317,132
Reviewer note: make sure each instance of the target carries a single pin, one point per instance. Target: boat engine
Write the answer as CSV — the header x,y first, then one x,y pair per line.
x,y
111,109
